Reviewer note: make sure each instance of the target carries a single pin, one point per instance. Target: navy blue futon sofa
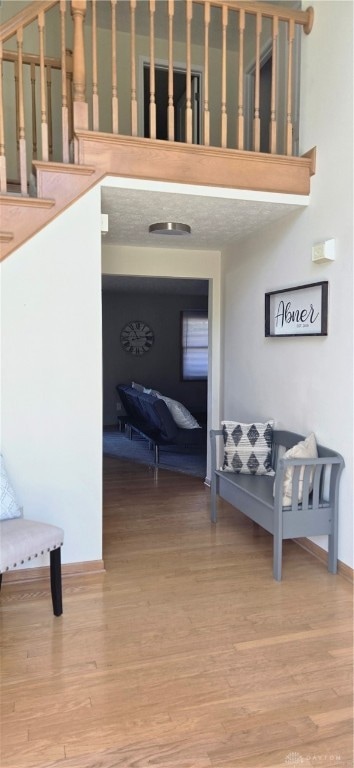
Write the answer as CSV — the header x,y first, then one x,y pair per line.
x,y
150,416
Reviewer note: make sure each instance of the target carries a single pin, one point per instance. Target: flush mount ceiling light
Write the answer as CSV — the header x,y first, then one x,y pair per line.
x,y
169,228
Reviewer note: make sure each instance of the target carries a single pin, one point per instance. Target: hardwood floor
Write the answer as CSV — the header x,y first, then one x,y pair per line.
x,y
185,653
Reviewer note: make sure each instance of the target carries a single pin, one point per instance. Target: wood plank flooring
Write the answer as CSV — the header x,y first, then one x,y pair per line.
x,y
185,653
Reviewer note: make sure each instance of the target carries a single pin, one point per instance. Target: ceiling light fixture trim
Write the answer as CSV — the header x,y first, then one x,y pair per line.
x,y
169,228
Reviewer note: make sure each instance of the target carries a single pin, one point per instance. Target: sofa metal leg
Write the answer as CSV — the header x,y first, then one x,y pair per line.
x,y
55,581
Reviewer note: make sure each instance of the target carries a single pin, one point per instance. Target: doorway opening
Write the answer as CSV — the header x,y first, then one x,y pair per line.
x,y
179,100
156,303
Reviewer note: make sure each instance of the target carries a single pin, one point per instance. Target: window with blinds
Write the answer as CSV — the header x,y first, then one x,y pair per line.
x,y
194,345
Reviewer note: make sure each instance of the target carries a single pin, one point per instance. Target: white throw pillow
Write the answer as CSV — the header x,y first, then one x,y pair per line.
x,y
138,387
9,505
305,449
248,447
180,413
153,392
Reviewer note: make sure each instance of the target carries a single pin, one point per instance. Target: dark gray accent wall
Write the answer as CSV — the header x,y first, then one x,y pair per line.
x,y
160,367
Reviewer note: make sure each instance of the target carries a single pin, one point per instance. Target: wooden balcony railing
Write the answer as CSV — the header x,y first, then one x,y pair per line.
x,y
208,72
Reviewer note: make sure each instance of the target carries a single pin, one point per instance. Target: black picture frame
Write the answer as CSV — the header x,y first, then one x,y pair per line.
x,y
298,311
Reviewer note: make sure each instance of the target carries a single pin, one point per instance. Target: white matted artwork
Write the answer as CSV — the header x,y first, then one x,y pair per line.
x,y
299,311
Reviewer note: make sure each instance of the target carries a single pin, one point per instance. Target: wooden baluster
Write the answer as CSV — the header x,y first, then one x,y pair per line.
x,y
152,112
115,123
80,106
189,111
17,104
17,110
49,108
289,123
257,118
64,91
170,108
134,103
224,12
44,119
273,114
206,74
69,92
241,118
3,183
95,105
34,115
21,117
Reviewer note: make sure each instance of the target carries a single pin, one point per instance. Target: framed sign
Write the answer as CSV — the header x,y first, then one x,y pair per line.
x,y
300,311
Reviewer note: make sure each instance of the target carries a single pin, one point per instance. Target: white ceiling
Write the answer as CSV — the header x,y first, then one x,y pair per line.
x,y
215,221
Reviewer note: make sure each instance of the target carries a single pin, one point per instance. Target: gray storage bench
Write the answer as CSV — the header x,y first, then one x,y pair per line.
x,y
253,495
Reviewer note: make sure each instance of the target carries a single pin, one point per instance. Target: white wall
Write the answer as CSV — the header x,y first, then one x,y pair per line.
x,y
51,377
304,383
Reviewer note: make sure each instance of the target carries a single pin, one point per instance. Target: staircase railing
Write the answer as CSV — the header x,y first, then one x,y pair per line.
x,y
214,73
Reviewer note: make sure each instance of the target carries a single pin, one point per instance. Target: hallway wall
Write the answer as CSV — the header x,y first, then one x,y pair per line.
x,y
305,384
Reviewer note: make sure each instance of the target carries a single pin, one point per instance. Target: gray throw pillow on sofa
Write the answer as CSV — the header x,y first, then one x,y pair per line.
x,y
180,413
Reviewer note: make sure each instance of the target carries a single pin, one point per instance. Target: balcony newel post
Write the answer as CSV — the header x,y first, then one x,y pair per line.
x,y
80,106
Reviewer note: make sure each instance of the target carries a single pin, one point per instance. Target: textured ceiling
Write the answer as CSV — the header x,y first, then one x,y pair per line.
x,y
215,221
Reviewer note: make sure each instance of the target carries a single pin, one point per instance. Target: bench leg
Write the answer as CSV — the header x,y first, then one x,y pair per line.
x,y
213,501
333,548
277,556
55,581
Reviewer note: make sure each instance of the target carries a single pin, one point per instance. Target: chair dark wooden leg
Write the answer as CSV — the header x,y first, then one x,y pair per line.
x,y
55,581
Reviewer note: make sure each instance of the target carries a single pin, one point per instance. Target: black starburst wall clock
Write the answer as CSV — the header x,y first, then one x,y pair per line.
x,y
137,337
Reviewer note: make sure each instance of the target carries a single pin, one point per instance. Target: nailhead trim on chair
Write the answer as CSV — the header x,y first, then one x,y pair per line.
x,y
8,567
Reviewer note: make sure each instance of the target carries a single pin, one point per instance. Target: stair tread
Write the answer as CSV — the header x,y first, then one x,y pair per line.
x,y
83,170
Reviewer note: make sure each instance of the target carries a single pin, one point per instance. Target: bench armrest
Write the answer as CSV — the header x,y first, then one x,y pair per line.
x,y
312,473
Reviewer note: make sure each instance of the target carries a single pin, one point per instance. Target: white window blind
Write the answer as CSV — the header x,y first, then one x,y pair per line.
x,y
194,345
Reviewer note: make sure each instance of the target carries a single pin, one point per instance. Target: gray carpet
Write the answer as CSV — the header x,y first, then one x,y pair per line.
x,y
188,461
